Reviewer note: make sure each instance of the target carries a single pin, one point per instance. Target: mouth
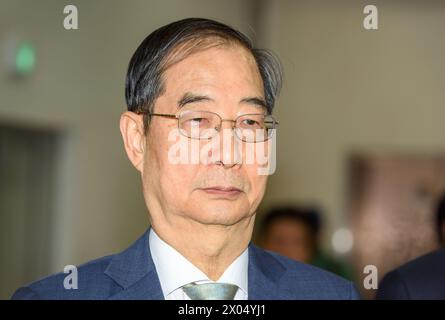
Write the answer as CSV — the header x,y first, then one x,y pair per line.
x,y
222,191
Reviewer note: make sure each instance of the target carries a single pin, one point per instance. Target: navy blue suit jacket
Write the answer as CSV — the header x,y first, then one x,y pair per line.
x,y
131,274
421,278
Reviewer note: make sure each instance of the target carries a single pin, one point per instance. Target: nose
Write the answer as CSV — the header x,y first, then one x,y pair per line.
x,y
227,146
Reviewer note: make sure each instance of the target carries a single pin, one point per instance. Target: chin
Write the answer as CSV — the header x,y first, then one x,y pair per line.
x,y
220,214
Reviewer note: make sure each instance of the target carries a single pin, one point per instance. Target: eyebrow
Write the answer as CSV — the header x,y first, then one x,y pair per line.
x,y
189,97
257,101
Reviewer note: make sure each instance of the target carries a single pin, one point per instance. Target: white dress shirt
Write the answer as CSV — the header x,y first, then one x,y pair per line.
x,y
175,271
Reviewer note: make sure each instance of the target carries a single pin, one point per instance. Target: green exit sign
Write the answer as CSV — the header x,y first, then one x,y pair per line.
x,y
25,58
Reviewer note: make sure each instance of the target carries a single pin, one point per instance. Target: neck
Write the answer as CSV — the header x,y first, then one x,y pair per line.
x,y
211,248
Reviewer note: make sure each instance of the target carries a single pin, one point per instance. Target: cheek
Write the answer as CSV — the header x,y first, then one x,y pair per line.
x,y
169,180
257,184
177,182
178,177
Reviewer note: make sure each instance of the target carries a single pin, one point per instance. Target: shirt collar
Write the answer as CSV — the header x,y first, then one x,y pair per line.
x,y
174,270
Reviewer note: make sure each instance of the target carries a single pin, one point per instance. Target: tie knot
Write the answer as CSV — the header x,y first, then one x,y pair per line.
x,y
210,291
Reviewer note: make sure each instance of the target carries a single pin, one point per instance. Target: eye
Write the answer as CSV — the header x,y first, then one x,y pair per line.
x,y
251,123
201,122
197,120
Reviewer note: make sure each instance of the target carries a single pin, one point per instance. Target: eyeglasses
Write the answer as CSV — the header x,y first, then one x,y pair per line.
x,y
203,125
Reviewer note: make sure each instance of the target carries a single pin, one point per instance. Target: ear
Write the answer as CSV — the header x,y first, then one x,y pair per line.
x,y
132,130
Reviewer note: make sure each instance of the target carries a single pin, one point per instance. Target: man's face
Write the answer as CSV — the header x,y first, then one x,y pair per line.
x,y
290,238
226,77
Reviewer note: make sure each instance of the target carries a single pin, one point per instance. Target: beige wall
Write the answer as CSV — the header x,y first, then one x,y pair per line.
x,y
78,87
347,89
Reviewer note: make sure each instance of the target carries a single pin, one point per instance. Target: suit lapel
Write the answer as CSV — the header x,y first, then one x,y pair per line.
x,y
135,272
264,275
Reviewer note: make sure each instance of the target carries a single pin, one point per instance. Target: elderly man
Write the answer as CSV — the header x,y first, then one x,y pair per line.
x,y
198,86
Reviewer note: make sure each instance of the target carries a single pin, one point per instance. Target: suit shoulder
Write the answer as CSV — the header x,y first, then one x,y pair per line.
x,y
392,286
424,269
306,270
318,283
421,278
90,280
429,263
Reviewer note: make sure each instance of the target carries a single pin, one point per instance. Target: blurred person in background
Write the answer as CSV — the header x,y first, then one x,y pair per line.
x,y
294,232
440,221
423,277
197,77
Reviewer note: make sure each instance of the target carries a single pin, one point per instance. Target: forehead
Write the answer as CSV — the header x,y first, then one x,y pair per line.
x,y
229,68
